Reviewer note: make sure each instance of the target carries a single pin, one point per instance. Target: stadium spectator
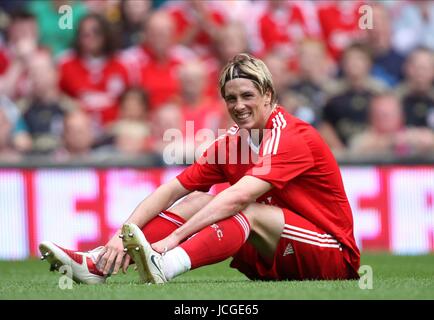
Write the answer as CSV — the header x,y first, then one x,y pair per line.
x,y
387,62
230,40
7,152
43,109
131,139
196,23
130,27
239,11
315,70
200,111
109,9
134,106
277,63
153,63
21,45
205,111
284,216
414,26
339,21
285,23
78,137
345,113
20,140
417,90
294,103
192,110
10,6
52,36
166,125
387,134
92,72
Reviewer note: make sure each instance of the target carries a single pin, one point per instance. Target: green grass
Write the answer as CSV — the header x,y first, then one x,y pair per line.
x,y
395,277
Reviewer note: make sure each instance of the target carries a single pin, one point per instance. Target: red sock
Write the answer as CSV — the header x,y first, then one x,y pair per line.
x,y
217,242
161,226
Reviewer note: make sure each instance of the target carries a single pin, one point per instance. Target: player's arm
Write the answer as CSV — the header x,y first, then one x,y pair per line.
x,y
162,198
226,204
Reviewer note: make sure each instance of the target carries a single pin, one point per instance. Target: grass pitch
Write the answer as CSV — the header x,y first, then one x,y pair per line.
x,y
394,277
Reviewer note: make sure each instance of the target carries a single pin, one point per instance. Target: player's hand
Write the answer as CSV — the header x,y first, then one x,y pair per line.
x,y
112,257
166,244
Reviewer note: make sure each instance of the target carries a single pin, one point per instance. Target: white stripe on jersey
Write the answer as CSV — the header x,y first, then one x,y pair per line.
x,y
272,144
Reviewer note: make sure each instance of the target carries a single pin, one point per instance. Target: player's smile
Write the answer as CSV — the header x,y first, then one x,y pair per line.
x,y
243,116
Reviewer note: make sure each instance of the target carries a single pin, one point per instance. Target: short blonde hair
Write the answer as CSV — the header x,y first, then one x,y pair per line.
x,y
245,66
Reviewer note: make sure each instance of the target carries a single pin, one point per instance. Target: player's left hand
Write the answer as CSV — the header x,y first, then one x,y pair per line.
x,y
166,244
112,257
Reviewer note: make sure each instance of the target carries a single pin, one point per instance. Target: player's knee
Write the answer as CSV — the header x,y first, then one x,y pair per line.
x,y
191,203
250,213
195,196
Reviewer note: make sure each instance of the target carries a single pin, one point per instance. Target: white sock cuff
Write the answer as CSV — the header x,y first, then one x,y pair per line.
x,y
165,216
244,223
175,262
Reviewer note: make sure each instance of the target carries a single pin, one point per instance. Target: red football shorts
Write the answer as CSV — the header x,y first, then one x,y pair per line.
x,y
304,252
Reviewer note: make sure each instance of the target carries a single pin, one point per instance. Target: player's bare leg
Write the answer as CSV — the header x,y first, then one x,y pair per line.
x,y
267,223
191,204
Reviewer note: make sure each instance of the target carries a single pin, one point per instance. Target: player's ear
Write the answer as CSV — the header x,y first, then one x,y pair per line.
x,y
267,96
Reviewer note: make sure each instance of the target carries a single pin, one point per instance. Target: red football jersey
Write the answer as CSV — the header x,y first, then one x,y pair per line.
x,y
186,20
160,81
292,157
287,26
158,78
4,61
97,84
209,114
339,21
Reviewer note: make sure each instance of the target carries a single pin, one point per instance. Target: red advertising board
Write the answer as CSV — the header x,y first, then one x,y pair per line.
x,y
393,206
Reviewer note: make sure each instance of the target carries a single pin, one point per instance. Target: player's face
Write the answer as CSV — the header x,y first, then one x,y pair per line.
x,y
247,107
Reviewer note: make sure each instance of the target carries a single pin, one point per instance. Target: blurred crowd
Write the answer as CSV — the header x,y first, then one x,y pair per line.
x,y
109,80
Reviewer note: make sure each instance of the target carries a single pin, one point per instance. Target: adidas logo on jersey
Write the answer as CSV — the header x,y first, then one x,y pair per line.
x,y
289,250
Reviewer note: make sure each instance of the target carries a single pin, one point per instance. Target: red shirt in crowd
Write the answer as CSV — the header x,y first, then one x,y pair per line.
x,y
158,78
209,114
339,22
4,61
185,20
96,82
304,173
284,27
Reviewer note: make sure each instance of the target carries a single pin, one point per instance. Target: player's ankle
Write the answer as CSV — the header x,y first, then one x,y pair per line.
x,y
175,262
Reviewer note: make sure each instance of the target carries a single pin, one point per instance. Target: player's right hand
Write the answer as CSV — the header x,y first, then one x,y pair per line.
x,y
113,257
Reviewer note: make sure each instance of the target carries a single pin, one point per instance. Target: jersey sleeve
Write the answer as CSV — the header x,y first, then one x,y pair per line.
x,y
282,159
204,173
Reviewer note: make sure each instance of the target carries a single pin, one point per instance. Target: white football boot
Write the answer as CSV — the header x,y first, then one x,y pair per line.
x,y
82,264
147,260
